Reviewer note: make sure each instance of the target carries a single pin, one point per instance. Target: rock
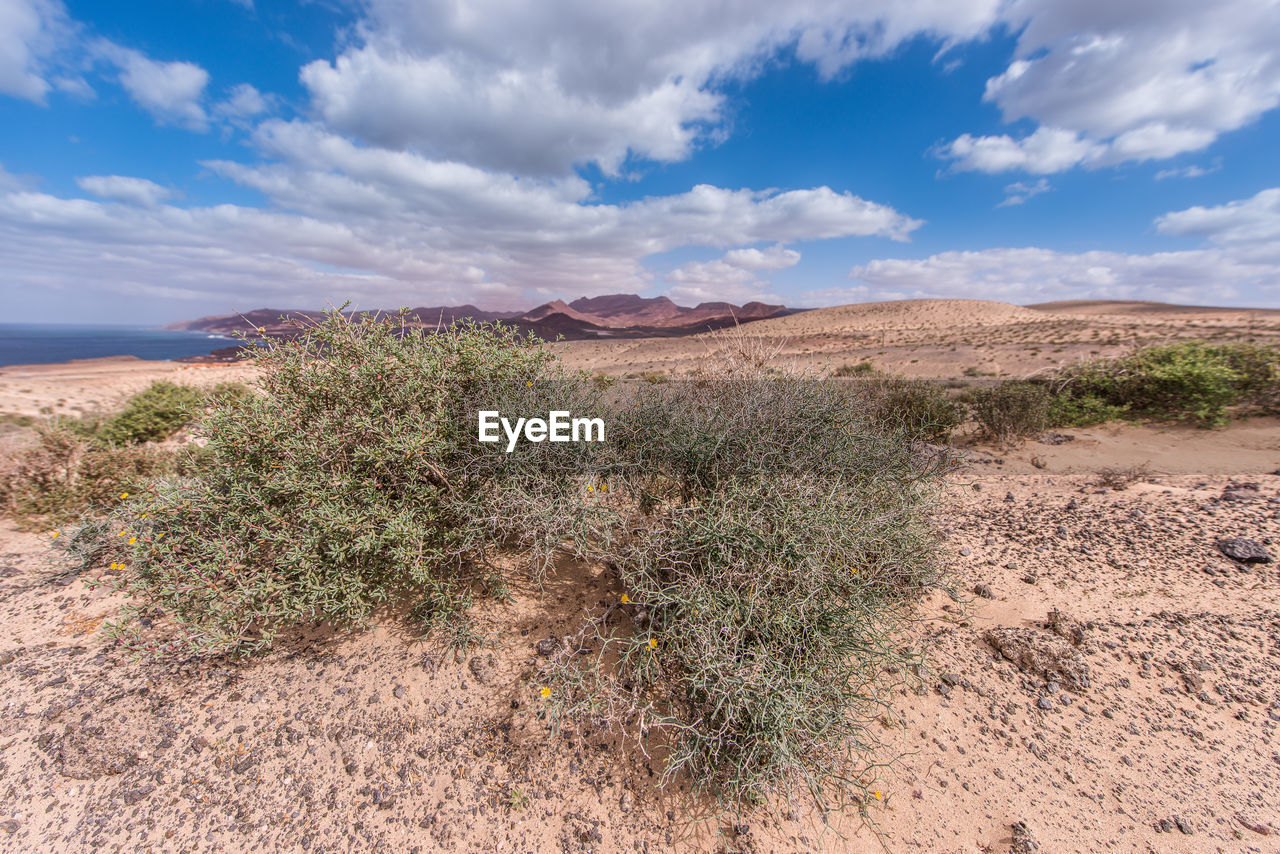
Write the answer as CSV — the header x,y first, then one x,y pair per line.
x,y
1183,826
398,692
1023,843
1045,703
132,796
1030,578
1064,626
481,668
984,590
627,802
546,646
1244,550
1046,656
1241,492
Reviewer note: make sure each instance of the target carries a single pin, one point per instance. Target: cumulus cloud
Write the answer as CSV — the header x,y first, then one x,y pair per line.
x,y
244,101
1114,82
30,32
1018,192
732,277
390,226
120,188
1250,221
170,91
535,88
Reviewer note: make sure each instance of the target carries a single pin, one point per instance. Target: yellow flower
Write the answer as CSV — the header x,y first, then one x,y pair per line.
x,y
853,571
529,383
604,487
113,564
879,796
161,534
591,489
132,540
122,533
56,534
143,516
124,495
653,644
262,330
546,692
625,598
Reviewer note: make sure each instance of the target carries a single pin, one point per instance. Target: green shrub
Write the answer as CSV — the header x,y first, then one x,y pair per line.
x,y
355,480
1067,411
1012,410
781,529
153,414
1187,381
919,408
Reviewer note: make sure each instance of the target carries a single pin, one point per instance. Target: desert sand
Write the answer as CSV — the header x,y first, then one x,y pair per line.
x,y
1104,678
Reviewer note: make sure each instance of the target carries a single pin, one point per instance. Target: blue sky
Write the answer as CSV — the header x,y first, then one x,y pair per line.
x,y
164,160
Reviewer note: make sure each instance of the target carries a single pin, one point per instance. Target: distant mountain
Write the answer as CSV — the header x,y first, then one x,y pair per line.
x,y
612,316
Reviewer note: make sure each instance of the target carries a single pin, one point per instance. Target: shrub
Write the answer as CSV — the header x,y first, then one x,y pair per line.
x,y
861,369
355,480
154,414
57,475
919,408
1067,411
1012,410
1187,381
779,530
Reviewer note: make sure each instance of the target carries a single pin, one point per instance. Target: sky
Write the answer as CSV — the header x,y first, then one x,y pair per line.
x,y
167,159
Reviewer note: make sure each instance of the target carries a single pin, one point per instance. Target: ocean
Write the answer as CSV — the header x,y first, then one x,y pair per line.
x,y
43,343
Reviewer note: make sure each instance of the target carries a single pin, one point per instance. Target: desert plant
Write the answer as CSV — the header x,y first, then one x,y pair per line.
x,y
1085,411
56,475
859,369
354,479
778,533
918,408
1012,410
153,414
1187,381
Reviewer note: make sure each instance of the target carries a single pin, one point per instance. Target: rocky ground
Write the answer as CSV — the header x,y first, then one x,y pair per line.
x,y
1104,679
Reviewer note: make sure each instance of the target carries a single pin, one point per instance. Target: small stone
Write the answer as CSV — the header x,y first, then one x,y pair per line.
x,y
1045,703
1244,550
398,692
546,646
984,590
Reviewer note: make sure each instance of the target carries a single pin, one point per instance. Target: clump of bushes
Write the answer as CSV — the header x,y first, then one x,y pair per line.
x,y
1190,381
770,532
768,564
1011,410
865,368
155,413
65,466
355,480
918,408
53,477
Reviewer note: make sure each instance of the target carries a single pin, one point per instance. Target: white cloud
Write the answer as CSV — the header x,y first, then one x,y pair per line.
x,y
390,227
170,91
120,188
30,32
1018,192
1250,221
534,88
1133,81
1192,171
244,101
731,277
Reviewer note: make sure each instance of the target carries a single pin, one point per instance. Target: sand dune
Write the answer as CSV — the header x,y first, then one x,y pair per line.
x,y
900,314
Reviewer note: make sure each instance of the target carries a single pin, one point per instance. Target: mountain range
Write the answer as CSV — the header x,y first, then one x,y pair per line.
x,y
612,316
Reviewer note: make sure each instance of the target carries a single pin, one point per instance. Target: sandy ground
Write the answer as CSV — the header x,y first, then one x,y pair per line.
x,y
941,338
86,386
1103,679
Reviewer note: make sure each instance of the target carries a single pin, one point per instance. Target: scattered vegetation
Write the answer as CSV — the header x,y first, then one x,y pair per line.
x,y
1191,381
156,413
864,368
1012,410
